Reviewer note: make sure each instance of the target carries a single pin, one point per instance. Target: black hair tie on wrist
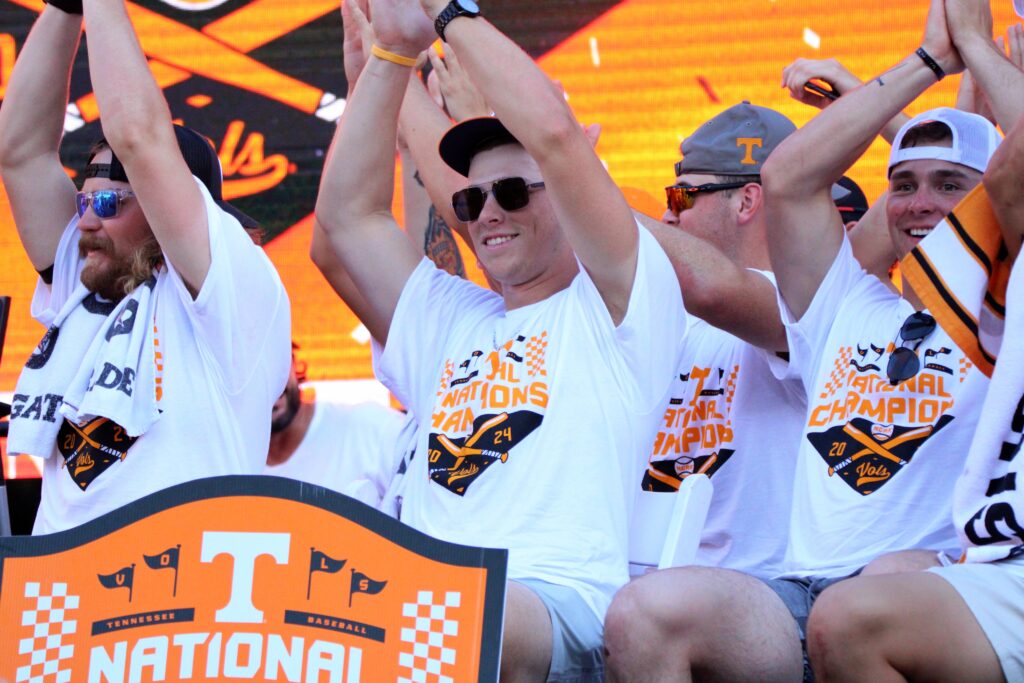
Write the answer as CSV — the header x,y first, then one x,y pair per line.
x,y
930,63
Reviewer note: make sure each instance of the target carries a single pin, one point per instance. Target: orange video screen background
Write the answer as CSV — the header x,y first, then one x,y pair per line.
x,y
253,74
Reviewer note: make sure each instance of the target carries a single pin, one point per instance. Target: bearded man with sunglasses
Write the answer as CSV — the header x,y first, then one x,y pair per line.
x,y
536,406
153,371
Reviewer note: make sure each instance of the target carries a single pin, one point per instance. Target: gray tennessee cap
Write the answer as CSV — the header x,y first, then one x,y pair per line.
x,y
736,142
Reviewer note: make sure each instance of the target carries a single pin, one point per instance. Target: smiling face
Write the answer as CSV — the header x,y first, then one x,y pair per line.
x,y
921,193
114,248
524,249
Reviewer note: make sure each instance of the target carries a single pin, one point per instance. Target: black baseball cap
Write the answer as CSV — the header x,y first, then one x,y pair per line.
x,y
849,199
463,140
202,161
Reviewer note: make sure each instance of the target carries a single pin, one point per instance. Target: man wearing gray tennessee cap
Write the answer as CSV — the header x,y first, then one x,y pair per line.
x,y
731,388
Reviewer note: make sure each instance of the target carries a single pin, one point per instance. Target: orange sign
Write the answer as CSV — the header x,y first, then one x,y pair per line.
x,y
248,577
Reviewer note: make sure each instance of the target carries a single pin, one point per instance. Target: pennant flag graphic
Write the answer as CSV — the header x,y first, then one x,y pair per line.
x,y
122,578
321,562
168,559
361,583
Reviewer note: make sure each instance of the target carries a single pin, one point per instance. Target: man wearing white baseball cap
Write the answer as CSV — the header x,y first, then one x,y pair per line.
x,y
893,401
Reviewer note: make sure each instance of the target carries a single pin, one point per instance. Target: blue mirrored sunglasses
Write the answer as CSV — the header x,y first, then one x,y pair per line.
x,y
105,203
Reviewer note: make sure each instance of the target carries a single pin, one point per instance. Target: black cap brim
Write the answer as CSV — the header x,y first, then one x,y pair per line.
x,y
462,141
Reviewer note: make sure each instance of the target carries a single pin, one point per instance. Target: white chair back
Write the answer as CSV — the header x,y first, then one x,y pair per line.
x,y
666,527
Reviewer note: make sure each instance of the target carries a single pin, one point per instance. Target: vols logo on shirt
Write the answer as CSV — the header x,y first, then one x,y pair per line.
x,y
865,428
90,449
867,455
696,431
665,475
485,406
456,463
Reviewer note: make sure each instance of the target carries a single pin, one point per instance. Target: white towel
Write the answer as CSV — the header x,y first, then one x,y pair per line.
x,y
962,273
989,501
89,366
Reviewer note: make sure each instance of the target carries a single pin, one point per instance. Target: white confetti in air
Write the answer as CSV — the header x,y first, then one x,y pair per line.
x,y
595,55
812,39
361,335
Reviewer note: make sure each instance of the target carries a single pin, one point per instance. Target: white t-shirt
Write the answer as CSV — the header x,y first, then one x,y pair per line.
x,y
226,357
535,422
350,449
989,501
878,462
730,418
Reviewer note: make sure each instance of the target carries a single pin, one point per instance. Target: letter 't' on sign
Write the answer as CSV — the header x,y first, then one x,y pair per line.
x,y
244,548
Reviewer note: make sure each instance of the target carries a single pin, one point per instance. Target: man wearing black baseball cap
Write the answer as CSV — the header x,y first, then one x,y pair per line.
x,y
534,405
153,371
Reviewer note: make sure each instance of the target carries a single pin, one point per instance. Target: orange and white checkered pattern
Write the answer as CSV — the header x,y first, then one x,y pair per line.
x,y
965,367
730,385
43,652
535,349
446,376
838,377
431,625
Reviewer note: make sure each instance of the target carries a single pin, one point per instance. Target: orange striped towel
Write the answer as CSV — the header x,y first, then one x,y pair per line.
x,y
960,272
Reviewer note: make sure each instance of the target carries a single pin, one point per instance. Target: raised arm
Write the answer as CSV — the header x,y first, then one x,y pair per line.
x,y
1002,182
354,203
137,125
840,79
42,196
805,231
970,24
423,124
590,208
716,290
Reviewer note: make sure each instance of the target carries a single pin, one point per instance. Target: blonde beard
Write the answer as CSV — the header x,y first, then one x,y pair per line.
x,y
126,274
145,261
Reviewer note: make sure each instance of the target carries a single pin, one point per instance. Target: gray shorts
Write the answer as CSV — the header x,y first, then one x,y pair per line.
x,y
994,592
799,596
577,647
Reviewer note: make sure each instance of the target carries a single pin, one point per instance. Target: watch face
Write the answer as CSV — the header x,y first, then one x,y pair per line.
x,y
469,6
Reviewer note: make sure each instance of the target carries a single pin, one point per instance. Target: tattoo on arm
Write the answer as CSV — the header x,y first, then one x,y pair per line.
x,y
440,246
879,78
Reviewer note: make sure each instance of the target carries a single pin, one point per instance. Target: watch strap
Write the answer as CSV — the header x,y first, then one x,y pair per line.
x,y
451,11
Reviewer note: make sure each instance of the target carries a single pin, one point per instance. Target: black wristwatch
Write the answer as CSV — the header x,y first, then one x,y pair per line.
x,y
455,8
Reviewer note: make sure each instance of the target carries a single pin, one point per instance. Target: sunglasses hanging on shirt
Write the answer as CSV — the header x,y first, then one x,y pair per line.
x,y
903,361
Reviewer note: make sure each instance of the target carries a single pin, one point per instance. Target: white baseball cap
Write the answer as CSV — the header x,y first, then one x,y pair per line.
x,y
974,139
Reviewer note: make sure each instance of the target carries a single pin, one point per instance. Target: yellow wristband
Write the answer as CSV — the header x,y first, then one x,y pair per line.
x,y
401,60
